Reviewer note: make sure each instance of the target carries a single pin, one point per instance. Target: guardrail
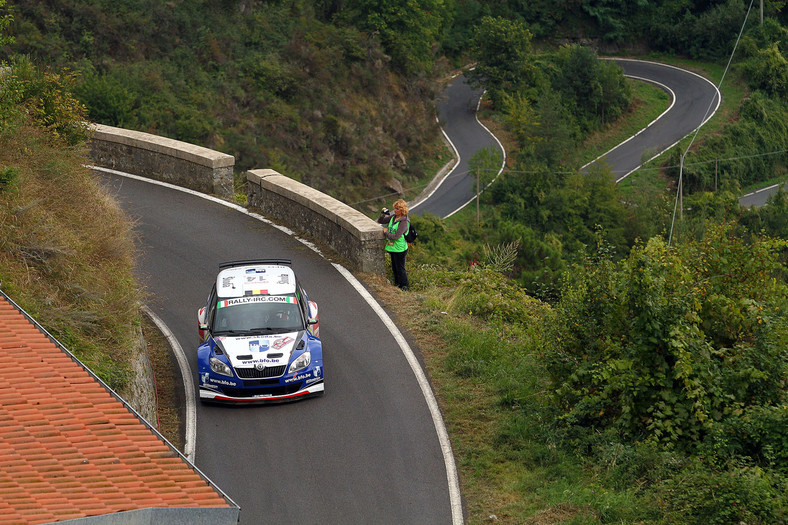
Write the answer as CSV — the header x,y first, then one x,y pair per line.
x,y
352,235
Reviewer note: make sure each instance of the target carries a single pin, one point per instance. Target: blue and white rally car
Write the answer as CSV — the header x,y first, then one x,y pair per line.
x,y
259,336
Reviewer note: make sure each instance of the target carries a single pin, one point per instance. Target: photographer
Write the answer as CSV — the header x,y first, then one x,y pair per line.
x,y
395,228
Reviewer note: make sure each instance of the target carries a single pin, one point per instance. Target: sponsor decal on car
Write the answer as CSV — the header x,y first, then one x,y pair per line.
x,y
258,346
280,343
221,382
307,376
251,362
257,299
298,377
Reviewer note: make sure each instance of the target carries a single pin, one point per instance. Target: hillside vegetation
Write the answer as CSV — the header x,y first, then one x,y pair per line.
x,y
271,84
595,361
66,249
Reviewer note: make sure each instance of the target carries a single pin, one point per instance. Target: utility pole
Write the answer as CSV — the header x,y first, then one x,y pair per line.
x,y
761,12
681,188
478,220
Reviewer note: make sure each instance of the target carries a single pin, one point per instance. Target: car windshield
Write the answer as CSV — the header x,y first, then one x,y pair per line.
x,y
255,315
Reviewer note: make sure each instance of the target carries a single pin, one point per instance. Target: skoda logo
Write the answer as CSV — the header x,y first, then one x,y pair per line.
x,y
260,366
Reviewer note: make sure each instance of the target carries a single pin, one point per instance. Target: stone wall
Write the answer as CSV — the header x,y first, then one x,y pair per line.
x,y
163,159
353,235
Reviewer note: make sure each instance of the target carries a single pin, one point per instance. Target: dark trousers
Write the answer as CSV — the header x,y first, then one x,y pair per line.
x,y
398,268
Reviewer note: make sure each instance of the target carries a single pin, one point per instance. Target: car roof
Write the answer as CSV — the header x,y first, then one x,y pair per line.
x,y
255,279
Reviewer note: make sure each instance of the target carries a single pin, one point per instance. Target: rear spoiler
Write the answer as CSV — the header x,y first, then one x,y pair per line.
x,y
231,264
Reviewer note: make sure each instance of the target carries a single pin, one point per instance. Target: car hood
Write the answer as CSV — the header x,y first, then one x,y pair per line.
x,y
270,350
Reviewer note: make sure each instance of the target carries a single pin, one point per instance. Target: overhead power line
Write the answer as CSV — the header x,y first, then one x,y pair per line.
x,y
683,155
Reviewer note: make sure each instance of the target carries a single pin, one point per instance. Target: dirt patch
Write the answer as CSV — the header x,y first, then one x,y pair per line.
x,y
168,385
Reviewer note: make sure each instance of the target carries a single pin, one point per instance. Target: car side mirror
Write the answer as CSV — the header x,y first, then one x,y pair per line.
x,y
311,321
202,326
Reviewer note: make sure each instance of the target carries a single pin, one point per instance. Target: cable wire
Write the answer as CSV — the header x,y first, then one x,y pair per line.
x,y
683,155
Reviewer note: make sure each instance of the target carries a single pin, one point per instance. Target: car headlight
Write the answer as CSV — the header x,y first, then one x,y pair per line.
x,y
300,363
220,367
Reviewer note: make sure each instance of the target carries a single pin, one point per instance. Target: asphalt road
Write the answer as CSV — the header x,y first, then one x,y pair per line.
x,y
694,101
367,451
457,116
759,197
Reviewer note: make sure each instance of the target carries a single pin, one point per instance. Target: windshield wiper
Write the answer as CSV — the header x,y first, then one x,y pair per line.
x,y
235,332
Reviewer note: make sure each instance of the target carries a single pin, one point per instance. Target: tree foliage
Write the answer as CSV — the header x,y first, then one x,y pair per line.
x,y
768,70
46,98
592,90
408,29
272,84
5,21
671,345
502,50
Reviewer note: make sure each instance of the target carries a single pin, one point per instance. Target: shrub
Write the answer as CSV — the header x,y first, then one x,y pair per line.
x,y
48,100
768,70
666,344
8,178
703,496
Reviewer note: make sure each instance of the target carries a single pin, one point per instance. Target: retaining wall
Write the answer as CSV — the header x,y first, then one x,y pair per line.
x,y
353,235
163,159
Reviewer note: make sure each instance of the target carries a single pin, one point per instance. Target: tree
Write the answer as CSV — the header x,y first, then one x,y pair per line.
x,y
593,90
408,29
502,50
545,131
485,164
768,70
5,21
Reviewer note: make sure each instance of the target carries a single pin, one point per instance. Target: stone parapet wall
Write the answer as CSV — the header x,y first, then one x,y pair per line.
x,y
163,159
353,235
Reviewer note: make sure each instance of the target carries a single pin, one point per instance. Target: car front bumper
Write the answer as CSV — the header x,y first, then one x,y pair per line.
x,y
307,383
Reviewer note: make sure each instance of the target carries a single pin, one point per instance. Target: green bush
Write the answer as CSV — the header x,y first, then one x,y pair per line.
x,y
8,178
666,344
107,99
704,496
768,70
48,100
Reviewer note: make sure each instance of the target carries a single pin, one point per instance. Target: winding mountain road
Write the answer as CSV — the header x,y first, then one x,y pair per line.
x,y
371,450
694,100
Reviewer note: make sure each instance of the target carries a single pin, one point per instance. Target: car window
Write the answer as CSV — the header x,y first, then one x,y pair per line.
x,y
211,304
261,314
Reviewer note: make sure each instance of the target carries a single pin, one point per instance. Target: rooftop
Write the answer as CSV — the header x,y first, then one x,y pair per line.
x,y
70,448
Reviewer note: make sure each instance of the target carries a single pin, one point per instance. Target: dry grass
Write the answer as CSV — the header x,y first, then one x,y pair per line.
x,y
66,251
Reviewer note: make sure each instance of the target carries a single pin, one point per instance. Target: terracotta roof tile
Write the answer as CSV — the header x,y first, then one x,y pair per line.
x,y
70,449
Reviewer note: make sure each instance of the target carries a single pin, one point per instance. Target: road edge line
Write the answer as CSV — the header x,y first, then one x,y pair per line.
x,y
426,389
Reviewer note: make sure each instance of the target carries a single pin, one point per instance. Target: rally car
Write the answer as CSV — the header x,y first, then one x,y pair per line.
x,y
259,336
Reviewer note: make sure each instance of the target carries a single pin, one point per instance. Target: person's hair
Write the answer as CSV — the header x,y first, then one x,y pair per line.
x,y
402,205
